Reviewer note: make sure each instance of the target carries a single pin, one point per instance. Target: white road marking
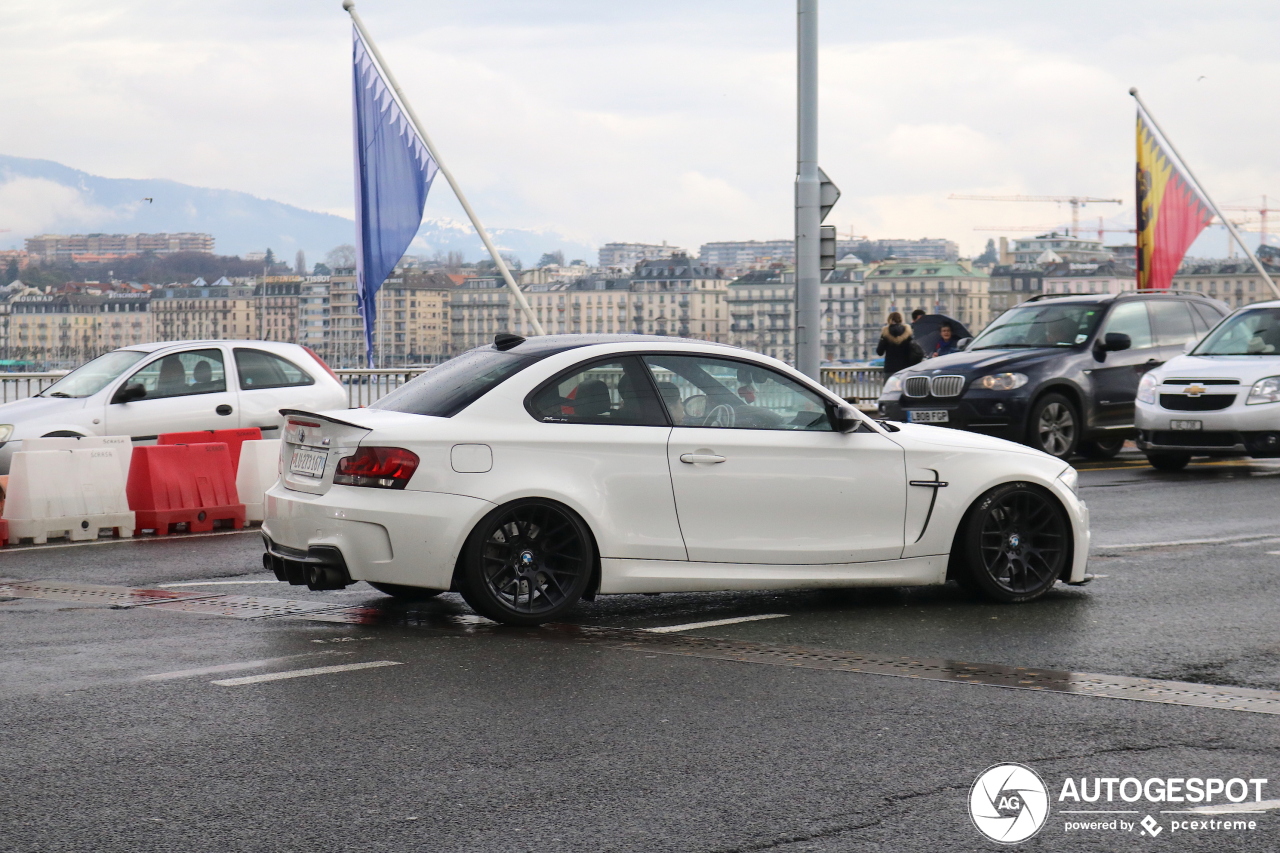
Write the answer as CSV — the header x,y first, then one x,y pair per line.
x,y
210,583
1251,539
1251,544
1233,808
712,624
170,538
234,667
1277,553
303,673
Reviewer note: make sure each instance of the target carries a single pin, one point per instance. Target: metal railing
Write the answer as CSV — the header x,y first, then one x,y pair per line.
x,y
365,386
859,384
19,386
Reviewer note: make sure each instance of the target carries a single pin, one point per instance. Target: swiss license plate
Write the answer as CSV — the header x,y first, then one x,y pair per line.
x,y
927,416
308,462
1186,425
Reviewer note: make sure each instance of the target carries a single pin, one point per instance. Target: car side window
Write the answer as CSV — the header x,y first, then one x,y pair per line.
x,y
181,374
1209,315
611,391
703,391
260,369
1130,318
1172,319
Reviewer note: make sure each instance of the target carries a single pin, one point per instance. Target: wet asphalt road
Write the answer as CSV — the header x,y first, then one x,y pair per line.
x,y
490,739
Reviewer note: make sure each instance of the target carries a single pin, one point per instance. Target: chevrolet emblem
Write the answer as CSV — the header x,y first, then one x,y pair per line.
x,y
1195,390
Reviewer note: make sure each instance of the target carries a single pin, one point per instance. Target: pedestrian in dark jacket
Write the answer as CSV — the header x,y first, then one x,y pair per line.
x,y
897,346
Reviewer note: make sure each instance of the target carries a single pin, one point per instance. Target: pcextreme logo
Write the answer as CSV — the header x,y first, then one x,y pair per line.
x,y
1008,803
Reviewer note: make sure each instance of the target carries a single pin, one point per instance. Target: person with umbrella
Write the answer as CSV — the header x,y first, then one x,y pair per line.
x,y
928,332
946,341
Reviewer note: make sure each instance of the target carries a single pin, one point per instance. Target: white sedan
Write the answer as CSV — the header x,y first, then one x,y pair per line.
x,y
1220,399
175,386
530,474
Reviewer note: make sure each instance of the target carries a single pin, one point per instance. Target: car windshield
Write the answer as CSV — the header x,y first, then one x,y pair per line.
x,y
448,389
1255,332
89,379
1040,324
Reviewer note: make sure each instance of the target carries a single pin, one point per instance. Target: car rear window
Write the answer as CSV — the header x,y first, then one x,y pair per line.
x,y
448,389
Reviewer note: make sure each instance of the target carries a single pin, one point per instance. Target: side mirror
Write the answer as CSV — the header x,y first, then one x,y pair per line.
x,y
845,419
963,344
129,393
1117,341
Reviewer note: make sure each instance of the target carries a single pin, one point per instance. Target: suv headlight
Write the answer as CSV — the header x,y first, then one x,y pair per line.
x,y
1071,479
1264,391
1001,381
892,385
6,430
1147,388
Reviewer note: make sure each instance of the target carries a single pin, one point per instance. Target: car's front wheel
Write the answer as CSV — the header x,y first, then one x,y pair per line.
x,y
527,562
1169,461
1054,426
1016,542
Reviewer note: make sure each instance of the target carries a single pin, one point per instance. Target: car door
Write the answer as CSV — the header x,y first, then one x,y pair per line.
x,y
1115,375
269,382
184,391
602,437
760,475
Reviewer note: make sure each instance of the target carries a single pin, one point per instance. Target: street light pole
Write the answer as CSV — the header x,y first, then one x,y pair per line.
x,y
808,191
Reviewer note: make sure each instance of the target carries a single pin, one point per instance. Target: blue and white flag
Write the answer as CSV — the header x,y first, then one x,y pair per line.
x,y
394,171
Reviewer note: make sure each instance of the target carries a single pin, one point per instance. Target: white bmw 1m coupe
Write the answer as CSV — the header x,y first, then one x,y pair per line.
x,y
529,474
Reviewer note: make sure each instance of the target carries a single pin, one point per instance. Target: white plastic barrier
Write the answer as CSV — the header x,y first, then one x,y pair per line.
x,y
259,470
71,493
121,442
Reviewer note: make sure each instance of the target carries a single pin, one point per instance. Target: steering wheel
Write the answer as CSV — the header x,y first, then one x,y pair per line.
x,y
721,416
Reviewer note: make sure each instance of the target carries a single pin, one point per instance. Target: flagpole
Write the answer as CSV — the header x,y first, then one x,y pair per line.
x,y
521,301
1227,222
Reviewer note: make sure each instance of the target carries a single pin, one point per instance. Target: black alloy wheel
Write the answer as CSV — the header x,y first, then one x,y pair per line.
x,y
1169,461
1017,540
527,563
1102,448
408,593
1054,426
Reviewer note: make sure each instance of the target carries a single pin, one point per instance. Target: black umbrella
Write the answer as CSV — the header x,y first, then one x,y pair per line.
x,y
927,334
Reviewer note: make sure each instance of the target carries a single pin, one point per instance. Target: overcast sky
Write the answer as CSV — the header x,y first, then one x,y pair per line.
x,y
656,120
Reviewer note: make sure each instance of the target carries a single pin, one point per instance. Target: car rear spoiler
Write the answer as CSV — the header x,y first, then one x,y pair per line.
x,y
330,419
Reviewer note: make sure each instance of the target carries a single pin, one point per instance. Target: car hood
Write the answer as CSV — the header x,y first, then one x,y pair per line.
x,y
38,409
987,360
1246,368
945,437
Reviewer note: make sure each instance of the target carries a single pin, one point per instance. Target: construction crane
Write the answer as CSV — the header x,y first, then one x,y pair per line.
x,y
1076,202
1049,229
1262,212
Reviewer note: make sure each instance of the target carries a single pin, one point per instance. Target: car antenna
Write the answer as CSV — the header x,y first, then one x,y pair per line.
x,y
504,341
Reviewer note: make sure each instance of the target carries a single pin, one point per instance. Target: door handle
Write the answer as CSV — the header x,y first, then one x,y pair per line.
x,y
224,409
694,458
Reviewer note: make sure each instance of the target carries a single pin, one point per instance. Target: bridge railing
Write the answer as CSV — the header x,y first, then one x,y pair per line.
x,y
859,384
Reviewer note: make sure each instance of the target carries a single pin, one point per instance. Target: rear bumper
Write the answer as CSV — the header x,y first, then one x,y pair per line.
x,y
403,537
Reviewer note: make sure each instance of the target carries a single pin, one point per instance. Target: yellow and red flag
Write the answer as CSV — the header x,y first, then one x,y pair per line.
x,y
1171,212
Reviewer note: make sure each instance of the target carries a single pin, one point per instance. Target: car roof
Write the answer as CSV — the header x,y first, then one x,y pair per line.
x,y
156,346
545,345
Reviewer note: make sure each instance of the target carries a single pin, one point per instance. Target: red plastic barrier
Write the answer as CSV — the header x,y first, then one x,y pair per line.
x,y
4,530
232,438
191,483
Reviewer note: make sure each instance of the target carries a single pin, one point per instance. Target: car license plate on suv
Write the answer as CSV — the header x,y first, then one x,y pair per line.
x,y
927,416
1185,425
308,462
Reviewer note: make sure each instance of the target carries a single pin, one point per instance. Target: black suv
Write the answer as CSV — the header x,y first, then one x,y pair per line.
x,y
1059,373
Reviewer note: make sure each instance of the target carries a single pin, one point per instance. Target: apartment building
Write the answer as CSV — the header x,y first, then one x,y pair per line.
x,y
1058,248
68,247
411,327
72,328
1236,283
953,288
627,255
190,313
762,307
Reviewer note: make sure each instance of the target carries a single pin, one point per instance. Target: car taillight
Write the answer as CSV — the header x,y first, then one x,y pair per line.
x,y
377,468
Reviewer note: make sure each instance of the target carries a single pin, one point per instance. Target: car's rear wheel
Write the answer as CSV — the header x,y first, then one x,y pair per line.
x,y
527,562
1102,448
409,593
1169,461
1017,540
1054,426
